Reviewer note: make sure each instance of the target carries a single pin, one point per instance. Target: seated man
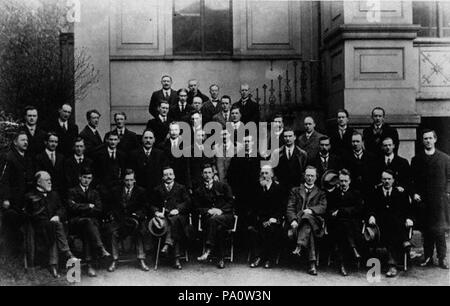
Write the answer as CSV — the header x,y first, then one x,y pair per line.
x,y
214,202
127,218
46,213
171,200
344,218
305,208
390,209
266,230
85,211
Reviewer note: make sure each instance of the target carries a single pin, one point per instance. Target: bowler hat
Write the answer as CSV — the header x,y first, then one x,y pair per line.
x,y
330,179
132,223
157,226
372,233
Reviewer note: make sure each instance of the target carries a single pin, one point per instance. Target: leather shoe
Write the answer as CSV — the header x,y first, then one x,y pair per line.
x,y
91,271
312,269
343,271
143,266
205,256
221,264
443,264
297,251
428,262
255,263
54,271
268,264
113,266
392,272
104,253
177,264
165,250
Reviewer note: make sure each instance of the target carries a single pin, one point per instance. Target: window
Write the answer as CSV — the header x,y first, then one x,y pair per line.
x,y
202,27
434,18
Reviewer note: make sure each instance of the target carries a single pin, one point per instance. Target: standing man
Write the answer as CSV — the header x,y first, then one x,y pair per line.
x,y
171,201
198,159
90,134
341,135
223,153
66,130
431,188
128,139
165,94
127,215
160,124
324,160
306,207
248,107
147,162
15,181
309,141
377,131
212,106
36,136
181,110
214,202
224,115
85,211
194,91
74,163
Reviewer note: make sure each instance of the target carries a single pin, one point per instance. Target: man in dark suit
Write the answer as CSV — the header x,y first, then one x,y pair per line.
x,y
47,215
265,230
309,141
306,208
431,193
128,139
198,160
92,139
16,179
390,209
147,162
66,130
377,131
36,135
341,135
224,115
109,166
344,218
399,165
248,107
324,160
75,162
274,138
211,107
164,94
171,201
214,202
181,110
85,211
361,164
290,161
52,162
160,124
126,217
194,91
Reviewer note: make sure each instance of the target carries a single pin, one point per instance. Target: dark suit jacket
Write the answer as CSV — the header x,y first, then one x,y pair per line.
x,y
220,196
268,204
16,178
373,141
42,208
177,198
208,111
363,173
72,170
191,97
159,128
128,141
93,142
120,208
180,164
78,204
67,138
35,143
290,173
311,145
334,163
221,119
148,170
43,163
177,115
350,205
156,99
401,168
340,146
298,201
250,112
196,168
109,172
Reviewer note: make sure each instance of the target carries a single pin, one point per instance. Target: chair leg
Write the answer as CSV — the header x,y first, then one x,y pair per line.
x,y
232,250
277,261
405,262
157,254
186,255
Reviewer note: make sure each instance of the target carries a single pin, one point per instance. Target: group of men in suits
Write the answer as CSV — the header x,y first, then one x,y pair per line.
x,y
116,186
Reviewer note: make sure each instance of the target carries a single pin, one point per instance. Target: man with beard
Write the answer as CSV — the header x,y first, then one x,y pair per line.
x,y
165,94
171,201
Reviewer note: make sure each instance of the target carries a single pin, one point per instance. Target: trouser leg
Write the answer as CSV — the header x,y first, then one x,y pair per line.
x,y
139,240
441,245
428,243
60,237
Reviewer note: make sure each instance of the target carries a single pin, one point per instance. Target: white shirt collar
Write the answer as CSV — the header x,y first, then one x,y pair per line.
x,y
78,157
147,151
166,91
431,152
83,188
308,135
390,157
49,153
121,131
385,191
61,123
169,186
162,118
309,186
111,150
92,129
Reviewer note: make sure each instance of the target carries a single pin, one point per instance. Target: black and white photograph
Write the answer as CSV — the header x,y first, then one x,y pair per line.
x,y
229,145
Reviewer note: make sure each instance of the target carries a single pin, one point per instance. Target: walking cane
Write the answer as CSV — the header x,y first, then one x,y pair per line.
x,y
159,246
405,257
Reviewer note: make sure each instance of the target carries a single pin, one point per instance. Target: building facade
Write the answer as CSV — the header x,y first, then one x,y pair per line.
x,y
299,57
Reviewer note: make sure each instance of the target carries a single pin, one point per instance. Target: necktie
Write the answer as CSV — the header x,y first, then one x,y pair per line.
x,y
388,162
113,155
147,153
52,158
225,116
80,161
128,194
324,163
167,96
289,154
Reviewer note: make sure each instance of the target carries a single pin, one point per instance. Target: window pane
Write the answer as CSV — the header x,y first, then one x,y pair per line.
x,y
187,35
424,14
218,27
445,8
